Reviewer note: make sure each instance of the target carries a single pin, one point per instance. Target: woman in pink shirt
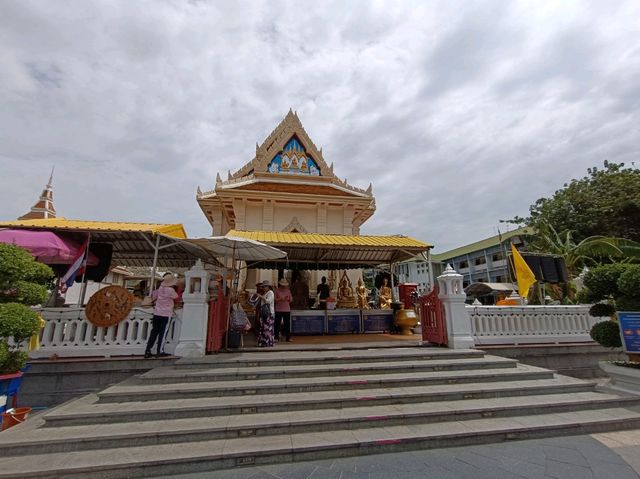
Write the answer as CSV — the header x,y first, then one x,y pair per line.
x,y
164,298
283,309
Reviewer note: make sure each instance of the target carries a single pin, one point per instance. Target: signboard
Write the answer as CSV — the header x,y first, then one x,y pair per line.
x,y
307,323
343,323
375,322
629,322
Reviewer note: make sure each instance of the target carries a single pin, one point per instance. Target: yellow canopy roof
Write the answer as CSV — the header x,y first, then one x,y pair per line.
x,y
330,251
131,244
277,237
174,230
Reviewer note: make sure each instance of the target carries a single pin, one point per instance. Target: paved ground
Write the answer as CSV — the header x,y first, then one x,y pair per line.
x,y
600,456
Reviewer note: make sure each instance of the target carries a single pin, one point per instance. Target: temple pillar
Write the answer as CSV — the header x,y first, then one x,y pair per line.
x,y
195,313
453,297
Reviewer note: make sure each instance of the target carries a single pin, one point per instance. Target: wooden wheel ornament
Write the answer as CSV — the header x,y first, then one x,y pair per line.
x,y
109,306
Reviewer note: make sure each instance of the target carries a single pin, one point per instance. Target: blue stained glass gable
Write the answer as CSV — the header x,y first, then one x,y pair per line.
x,y
294,160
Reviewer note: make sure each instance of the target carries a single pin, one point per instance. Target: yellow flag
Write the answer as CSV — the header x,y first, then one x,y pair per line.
x,y
524,275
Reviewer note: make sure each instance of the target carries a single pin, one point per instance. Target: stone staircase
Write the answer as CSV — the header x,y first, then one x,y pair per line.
x,y
249,408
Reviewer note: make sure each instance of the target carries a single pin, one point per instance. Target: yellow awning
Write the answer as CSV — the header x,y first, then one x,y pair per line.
x,y
277,237
174,230
329,251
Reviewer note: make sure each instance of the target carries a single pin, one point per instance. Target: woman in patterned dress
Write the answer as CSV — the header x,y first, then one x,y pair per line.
x,y
265,337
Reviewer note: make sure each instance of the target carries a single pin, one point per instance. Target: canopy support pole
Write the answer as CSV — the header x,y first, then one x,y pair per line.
x,y
233,275
393,293
83,289
156,248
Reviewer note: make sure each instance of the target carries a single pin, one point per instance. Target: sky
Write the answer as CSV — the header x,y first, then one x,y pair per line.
x,y
461,114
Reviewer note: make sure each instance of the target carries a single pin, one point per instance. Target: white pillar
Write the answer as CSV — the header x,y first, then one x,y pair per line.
x,y
195,313
453,297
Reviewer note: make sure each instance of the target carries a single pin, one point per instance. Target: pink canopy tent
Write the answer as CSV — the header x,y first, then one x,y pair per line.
x,y
45,246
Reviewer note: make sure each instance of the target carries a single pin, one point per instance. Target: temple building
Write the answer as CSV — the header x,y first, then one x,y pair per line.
x,y
287,187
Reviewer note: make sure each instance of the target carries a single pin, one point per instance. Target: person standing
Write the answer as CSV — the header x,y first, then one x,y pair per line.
x,y
283,310
164,298
267,311
323,293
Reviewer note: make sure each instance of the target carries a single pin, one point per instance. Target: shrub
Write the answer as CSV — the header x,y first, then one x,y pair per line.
x,y
22,282
628,303
602,309
606,333
602,281
629,281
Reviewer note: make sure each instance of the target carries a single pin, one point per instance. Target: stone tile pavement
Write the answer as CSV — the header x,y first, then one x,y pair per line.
x,y
599,456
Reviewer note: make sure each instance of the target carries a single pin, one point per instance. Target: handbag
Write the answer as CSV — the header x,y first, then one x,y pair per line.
x,y
265,310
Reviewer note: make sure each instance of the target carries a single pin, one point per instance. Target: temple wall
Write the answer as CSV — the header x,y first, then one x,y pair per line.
x,y
284,215
335,221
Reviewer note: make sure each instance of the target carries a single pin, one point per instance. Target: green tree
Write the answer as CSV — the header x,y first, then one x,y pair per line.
x,y
606,202
22,283
587,252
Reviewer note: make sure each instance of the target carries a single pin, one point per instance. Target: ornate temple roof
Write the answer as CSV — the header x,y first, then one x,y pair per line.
x,y
286,158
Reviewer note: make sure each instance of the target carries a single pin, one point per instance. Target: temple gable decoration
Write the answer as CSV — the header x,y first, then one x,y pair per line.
x,y
294,160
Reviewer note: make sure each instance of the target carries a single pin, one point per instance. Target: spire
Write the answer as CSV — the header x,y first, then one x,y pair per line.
x,y
43,209
50,183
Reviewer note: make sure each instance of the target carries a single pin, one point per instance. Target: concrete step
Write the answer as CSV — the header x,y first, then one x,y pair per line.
x,y
326,356
252,373
88,410
111,435
200,456
131,391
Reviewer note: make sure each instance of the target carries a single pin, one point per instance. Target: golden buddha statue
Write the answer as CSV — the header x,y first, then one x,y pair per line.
x,y
363,299
346,299
385,295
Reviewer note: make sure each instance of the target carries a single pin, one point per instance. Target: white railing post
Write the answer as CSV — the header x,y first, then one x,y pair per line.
x,y
452,295
195,313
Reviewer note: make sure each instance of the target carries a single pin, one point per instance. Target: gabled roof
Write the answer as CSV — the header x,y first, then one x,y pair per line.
x,y
275,142
256,171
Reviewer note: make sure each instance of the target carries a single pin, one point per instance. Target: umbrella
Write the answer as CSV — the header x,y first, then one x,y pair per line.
x,y
45,246
238,248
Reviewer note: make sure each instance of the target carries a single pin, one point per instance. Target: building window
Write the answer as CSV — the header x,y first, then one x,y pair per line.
x,y
480,260
464,264
497,256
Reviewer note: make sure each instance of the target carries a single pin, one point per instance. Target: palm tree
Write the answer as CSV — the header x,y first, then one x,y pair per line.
x,y
589,251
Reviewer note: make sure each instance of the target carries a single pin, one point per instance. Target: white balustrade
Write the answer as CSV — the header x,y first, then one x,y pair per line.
x,y
68,333
531,324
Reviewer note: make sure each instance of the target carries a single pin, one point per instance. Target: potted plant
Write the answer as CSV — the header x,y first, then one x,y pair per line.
x,y
617,287
23,283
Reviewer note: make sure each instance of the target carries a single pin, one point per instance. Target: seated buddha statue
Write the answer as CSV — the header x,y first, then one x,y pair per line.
x,y
346,299
385,295
363,299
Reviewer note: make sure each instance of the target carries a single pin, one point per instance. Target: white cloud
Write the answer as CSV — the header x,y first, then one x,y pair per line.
x,y
460,114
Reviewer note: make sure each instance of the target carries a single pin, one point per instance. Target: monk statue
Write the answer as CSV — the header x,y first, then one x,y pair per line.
x,y
385,295
346,299
363,299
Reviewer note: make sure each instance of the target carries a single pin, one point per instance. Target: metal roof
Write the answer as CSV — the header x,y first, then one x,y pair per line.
x,y
328,251
175,230
480,245
133,243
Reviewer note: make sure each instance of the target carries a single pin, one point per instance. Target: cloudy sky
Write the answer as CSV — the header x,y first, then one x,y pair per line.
x,y
460,113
